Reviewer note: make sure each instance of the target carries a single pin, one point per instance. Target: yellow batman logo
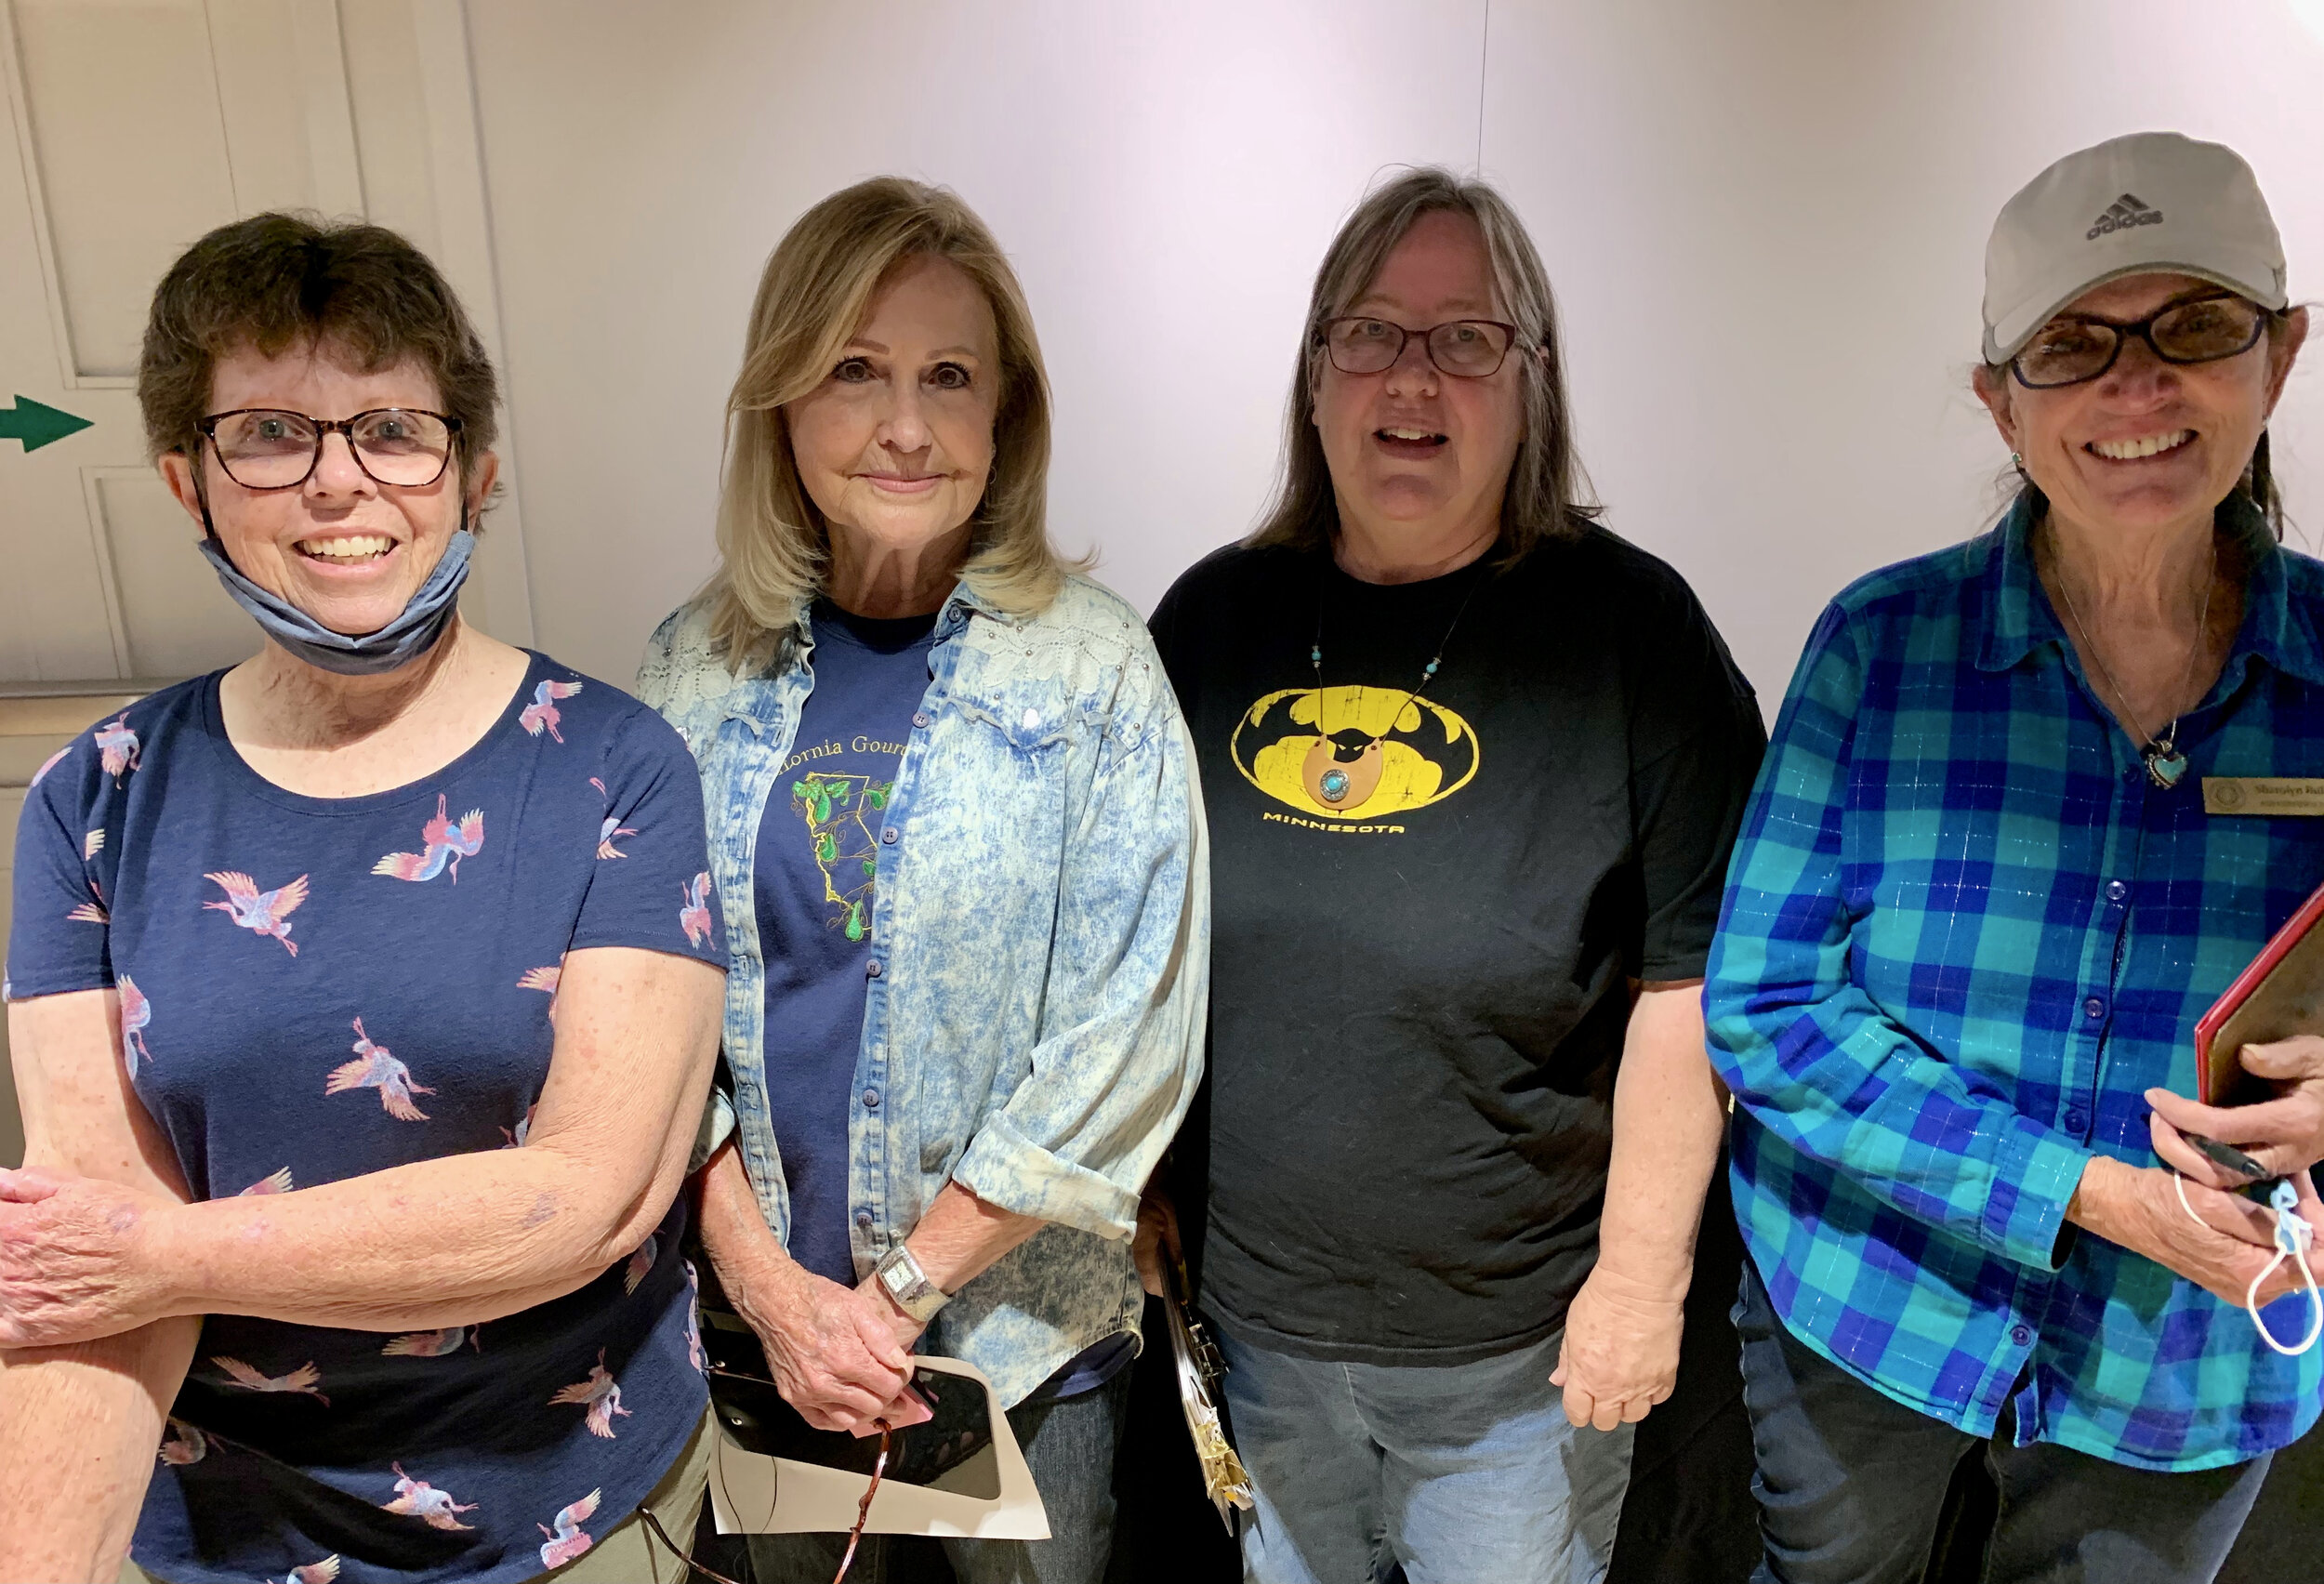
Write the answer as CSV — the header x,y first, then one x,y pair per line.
x,y
1427,752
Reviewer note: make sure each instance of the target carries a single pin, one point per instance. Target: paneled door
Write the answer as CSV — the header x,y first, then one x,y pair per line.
x,y
137,125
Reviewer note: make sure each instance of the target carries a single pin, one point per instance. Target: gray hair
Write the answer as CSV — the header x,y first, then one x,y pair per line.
x,y
1548,496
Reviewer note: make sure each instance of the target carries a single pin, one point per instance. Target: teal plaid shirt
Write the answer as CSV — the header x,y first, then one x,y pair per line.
x,y
1963,934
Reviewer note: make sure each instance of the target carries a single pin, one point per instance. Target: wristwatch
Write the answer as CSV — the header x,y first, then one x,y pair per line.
x,y
908,1286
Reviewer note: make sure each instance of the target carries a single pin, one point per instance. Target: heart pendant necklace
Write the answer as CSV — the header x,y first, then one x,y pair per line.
x,y
1343,785
2165,764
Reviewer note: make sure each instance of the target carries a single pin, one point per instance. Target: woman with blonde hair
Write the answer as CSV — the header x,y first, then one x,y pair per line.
x,y
959,850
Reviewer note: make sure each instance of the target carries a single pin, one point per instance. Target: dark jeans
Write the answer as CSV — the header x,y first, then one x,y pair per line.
x,y
1851,1485
1069,1450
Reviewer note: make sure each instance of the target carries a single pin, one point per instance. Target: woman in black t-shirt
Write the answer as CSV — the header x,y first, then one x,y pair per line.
x,y
1473,767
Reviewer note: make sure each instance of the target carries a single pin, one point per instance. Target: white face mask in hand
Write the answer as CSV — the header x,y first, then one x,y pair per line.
x,y
2293,1236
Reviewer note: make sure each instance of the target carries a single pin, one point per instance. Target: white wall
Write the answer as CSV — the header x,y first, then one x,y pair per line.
x,y
1765,223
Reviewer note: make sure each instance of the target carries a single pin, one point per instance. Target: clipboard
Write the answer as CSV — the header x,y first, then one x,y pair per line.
x,y
2279,995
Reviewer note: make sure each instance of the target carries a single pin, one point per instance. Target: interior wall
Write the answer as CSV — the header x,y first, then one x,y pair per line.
x,y
1766,220
1165,179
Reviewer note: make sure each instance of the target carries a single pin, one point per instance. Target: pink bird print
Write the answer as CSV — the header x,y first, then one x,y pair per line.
x,y
640,1263
48,764
375,1068
313,1573
418,1499
695,918
516,1139
274,1183
605,834
188,1445
434,1344
600,1393
92,911
302,1379
136,1012
695,1354
267,913
542,711
117,747
566,1541
446,843
93,843
611,829
541,978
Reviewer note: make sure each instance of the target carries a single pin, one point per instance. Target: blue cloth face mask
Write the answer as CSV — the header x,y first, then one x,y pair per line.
x,y
412,634
2293,1234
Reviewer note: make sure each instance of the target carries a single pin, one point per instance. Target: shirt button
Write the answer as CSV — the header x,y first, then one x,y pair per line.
x,y
872,968
2075,1121
2117,891
920,719
864,1219
2093,1008
2020,1335
887,835
871,1099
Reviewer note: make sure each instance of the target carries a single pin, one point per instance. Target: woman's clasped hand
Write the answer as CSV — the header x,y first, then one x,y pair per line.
x,y
2146,1210
82,1257
835,1351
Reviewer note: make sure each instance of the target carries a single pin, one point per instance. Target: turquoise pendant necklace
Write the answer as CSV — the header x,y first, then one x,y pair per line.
x,y
1349,783
2164,763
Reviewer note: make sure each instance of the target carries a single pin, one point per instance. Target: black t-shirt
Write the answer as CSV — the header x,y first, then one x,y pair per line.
x,y
1418,995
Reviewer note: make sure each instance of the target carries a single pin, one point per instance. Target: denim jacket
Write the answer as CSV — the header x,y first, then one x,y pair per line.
x,y
1040,963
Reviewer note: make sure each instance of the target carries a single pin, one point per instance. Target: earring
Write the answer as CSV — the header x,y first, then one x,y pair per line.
x,y
2017,461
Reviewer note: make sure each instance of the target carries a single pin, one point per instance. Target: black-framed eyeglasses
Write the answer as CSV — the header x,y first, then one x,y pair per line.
x,y
268,448
2073,348
1466,348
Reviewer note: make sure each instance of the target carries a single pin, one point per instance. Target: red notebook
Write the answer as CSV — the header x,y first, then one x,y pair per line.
x,y
2279,995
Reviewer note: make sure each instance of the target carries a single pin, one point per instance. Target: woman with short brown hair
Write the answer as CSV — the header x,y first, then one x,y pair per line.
x,y
297,948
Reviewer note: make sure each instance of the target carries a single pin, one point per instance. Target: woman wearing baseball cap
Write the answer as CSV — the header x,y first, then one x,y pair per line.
x,y
1977,908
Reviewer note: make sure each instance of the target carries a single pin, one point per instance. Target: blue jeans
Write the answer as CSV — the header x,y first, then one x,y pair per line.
x,y
1068,1446
1851,1485
1459,1474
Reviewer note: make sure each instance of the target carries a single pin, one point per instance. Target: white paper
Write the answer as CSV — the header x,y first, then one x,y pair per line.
x,y
751,1494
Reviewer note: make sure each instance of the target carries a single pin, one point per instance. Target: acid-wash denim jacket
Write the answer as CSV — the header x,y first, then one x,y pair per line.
x,y
1040,959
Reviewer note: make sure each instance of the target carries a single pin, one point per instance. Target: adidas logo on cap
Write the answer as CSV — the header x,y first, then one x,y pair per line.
x,y
2121,215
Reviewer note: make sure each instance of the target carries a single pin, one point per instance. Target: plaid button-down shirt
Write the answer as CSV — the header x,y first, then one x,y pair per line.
x,y
1963,934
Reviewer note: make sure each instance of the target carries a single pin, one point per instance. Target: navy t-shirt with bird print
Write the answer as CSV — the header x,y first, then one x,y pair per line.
x,y
313,989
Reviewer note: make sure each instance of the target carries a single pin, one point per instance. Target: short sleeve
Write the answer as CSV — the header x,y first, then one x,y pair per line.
x,y
60,933
1696,740
651,886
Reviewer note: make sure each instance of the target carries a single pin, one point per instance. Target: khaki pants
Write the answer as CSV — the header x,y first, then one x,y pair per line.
x,y
630,1553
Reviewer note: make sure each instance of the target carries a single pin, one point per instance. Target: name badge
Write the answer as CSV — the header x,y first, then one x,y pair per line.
x,y
2263,795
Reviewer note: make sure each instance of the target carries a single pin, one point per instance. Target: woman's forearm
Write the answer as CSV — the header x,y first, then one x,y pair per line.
x,y
453,1241
78,1426
962,1236
466,1238
744,1250
1669,1116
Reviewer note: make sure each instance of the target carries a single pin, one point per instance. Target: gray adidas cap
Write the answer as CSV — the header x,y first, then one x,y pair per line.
x,y
2150,203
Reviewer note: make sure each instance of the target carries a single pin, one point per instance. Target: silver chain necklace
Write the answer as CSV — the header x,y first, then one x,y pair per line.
x,y
2164,763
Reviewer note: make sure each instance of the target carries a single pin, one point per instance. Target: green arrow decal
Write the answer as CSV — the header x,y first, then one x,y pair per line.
x,y
36,425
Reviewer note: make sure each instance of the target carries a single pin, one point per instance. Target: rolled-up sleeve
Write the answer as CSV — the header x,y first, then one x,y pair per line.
x,y
1810,1056
1119,1054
